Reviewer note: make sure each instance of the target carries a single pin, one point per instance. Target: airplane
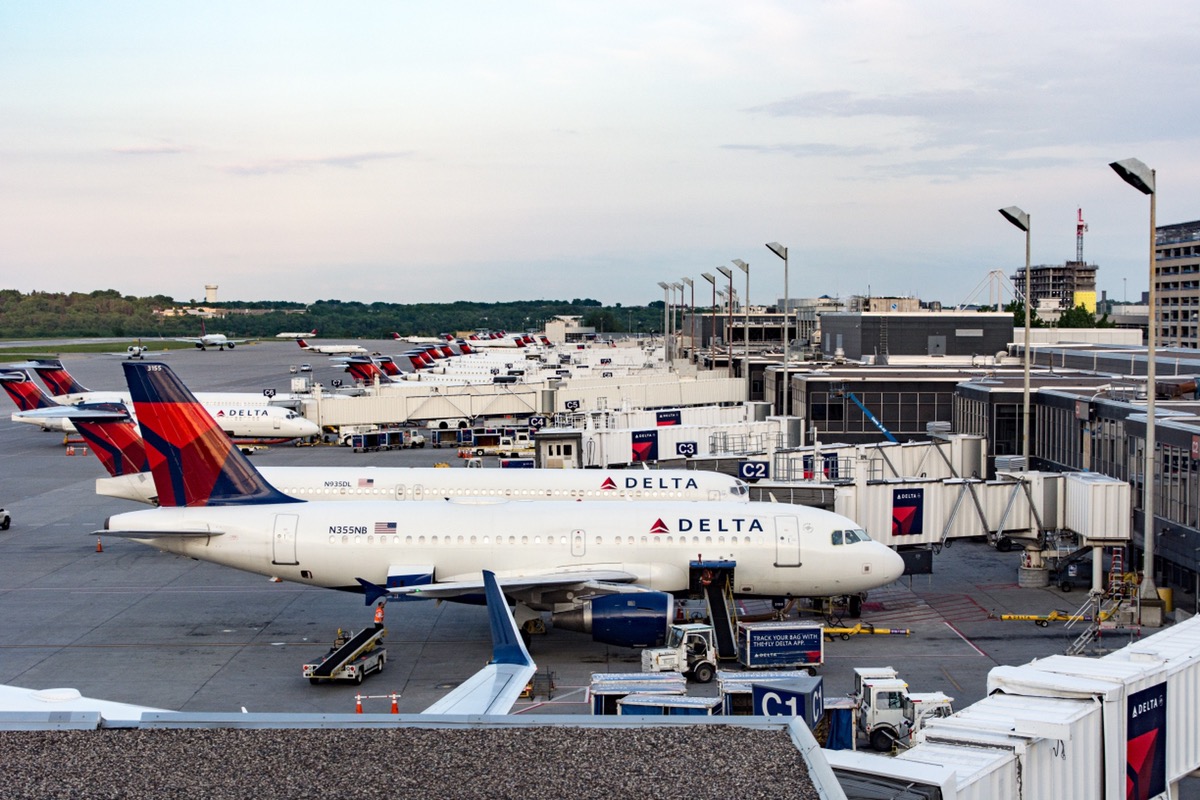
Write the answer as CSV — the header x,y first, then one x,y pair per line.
x,y
608,569
206,340
331,349
291,335
419,339
244,416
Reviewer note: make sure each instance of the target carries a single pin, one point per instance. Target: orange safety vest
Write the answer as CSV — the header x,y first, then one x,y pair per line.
x,y
378,615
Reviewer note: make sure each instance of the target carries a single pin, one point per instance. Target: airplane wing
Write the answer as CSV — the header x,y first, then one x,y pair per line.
x,y
188,339
607,581
493,689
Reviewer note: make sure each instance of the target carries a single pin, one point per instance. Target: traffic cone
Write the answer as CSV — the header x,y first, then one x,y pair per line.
x,y
99,547
71,450
358,704
395,704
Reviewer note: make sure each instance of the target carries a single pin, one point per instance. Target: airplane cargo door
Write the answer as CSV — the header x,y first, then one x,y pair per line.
x,y
285,539
787,542
578,542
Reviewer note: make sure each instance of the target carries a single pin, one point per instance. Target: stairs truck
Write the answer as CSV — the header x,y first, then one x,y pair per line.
x,y
887,712
351,658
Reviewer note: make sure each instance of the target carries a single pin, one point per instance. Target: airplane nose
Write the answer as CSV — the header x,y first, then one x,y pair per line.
x,y
893,564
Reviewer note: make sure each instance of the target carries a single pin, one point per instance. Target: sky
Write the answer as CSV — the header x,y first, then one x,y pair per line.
x,y
413,152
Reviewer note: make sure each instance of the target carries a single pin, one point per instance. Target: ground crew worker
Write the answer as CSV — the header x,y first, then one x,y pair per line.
x,y
379,615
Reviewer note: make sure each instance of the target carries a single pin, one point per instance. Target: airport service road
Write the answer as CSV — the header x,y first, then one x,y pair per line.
x,y
135,625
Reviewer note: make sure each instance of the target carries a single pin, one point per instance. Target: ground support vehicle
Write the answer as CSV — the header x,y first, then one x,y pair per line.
x,y
5,519
781,645
887,712
690,650
351,658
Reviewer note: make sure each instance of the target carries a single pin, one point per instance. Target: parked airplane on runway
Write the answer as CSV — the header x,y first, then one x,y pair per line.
x,y
242,417
331,349
609,569
292,335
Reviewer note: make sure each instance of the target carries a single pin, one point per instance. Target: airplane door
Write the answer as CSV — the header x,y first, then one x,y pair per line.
x,y
285,539
275,421
578,542
787,542
714,494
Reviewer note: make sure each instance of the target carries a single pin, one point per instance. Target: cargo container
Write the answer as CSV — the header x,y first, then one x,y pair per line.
x,y
776,645
660,705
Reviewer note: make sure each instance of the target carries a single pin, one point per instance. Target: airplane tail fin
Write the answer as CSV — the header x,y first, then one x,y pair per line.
x,y
303,344
24,392
191,459
114,438
56,377
388,365
365,370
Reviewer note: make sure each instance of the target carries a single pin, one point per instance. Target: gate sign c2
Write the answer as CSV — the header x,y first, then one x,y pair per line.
x,y
685,449
753,470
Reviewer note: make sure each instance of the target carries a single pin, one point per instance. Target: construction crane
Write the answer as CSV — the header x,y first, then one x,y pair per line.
x,y
1080,228
840,391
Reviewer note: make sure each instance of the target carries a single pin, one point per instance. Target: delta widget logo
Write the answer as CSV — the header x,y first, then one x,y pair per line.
x,y
609,485
659,527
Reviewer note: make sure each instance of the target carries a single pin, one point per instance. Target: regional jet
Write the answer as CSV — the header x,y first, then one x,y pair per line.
x,y
206,340
294,335
331,349
608,569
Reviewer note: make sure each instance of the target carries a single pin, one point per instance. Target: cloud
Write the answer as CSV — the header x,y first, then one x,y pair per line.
x,y
151,150
809,150
278,166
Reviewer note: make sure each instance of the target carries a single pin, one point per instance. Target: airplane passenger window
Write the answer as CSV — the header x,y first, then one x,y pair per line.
x,y
599,540
485,539
395,540
371,539
708,540
408,540
646,540
537,540
420,540
617,541
524,540
333,540
472,540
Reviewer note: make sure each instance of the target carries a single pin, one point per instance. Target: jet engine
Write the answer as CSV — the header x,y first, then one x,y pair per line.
x,y
626,619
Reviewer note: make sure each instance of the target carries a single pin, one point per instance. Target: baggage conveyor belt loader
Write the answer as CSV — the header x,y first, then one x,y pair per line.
x,y
351,658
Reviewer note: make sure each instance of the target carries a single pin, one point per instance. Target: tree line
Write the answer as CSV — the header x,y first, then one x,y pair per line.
x,y
107,312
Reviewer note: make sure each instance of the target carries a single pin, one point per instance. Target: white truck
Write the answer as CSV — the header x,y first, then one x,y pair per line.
x,y
887,712
690,650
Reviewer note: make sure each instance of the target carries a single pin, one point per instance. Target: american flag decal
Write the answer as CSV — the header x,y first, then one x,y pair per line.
x,y
364,482
385,527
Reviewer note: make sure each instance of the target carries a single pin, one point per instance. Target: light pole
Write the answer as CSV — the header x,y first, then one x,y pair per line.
x,y
782,252
1019,218
728,273
744,267
1142,178
666,287
691,317
712,312
677,318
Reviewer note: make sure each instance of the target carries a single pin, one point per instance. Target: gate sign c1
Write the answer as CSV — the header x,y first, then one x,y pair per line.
x,y
537,422
572,405
685,449
753,470
798,698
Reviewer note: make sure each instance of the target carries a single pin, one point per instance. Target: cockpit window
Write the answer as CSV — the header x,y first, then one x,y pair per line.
x,y
739,489
857,535
837,537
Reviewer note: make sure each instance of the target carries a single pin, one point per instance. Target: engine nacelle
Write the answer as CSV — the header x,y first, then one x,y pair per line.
x,y
631,619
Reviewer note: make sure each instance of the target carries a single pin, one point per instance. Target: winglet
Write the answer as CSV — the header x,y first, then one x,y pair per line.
x,y
372,591
507,645
191,459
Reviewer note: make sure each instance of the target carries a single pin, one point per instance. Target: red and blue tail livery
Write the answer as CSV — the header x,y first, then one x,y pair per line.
x,y
191,459
56,378
24,392
113,435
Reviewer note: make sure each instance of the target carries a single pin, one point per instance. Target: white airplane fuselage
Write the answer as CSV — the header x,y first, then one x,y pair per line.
x,y
433,484
779,550
241,415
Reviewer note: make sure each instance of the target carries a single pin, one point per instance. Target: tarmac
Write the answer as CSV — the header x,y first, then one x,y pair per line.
x,y
135,625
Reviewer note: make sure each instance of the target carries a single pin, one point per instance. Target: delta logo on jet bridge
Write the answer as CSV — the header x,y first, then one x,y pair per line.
x,y
610,485
734,525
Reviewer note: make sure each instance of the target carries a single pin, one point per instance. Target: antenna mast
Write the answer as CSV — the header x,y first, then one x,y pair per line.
x,y
1080,228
